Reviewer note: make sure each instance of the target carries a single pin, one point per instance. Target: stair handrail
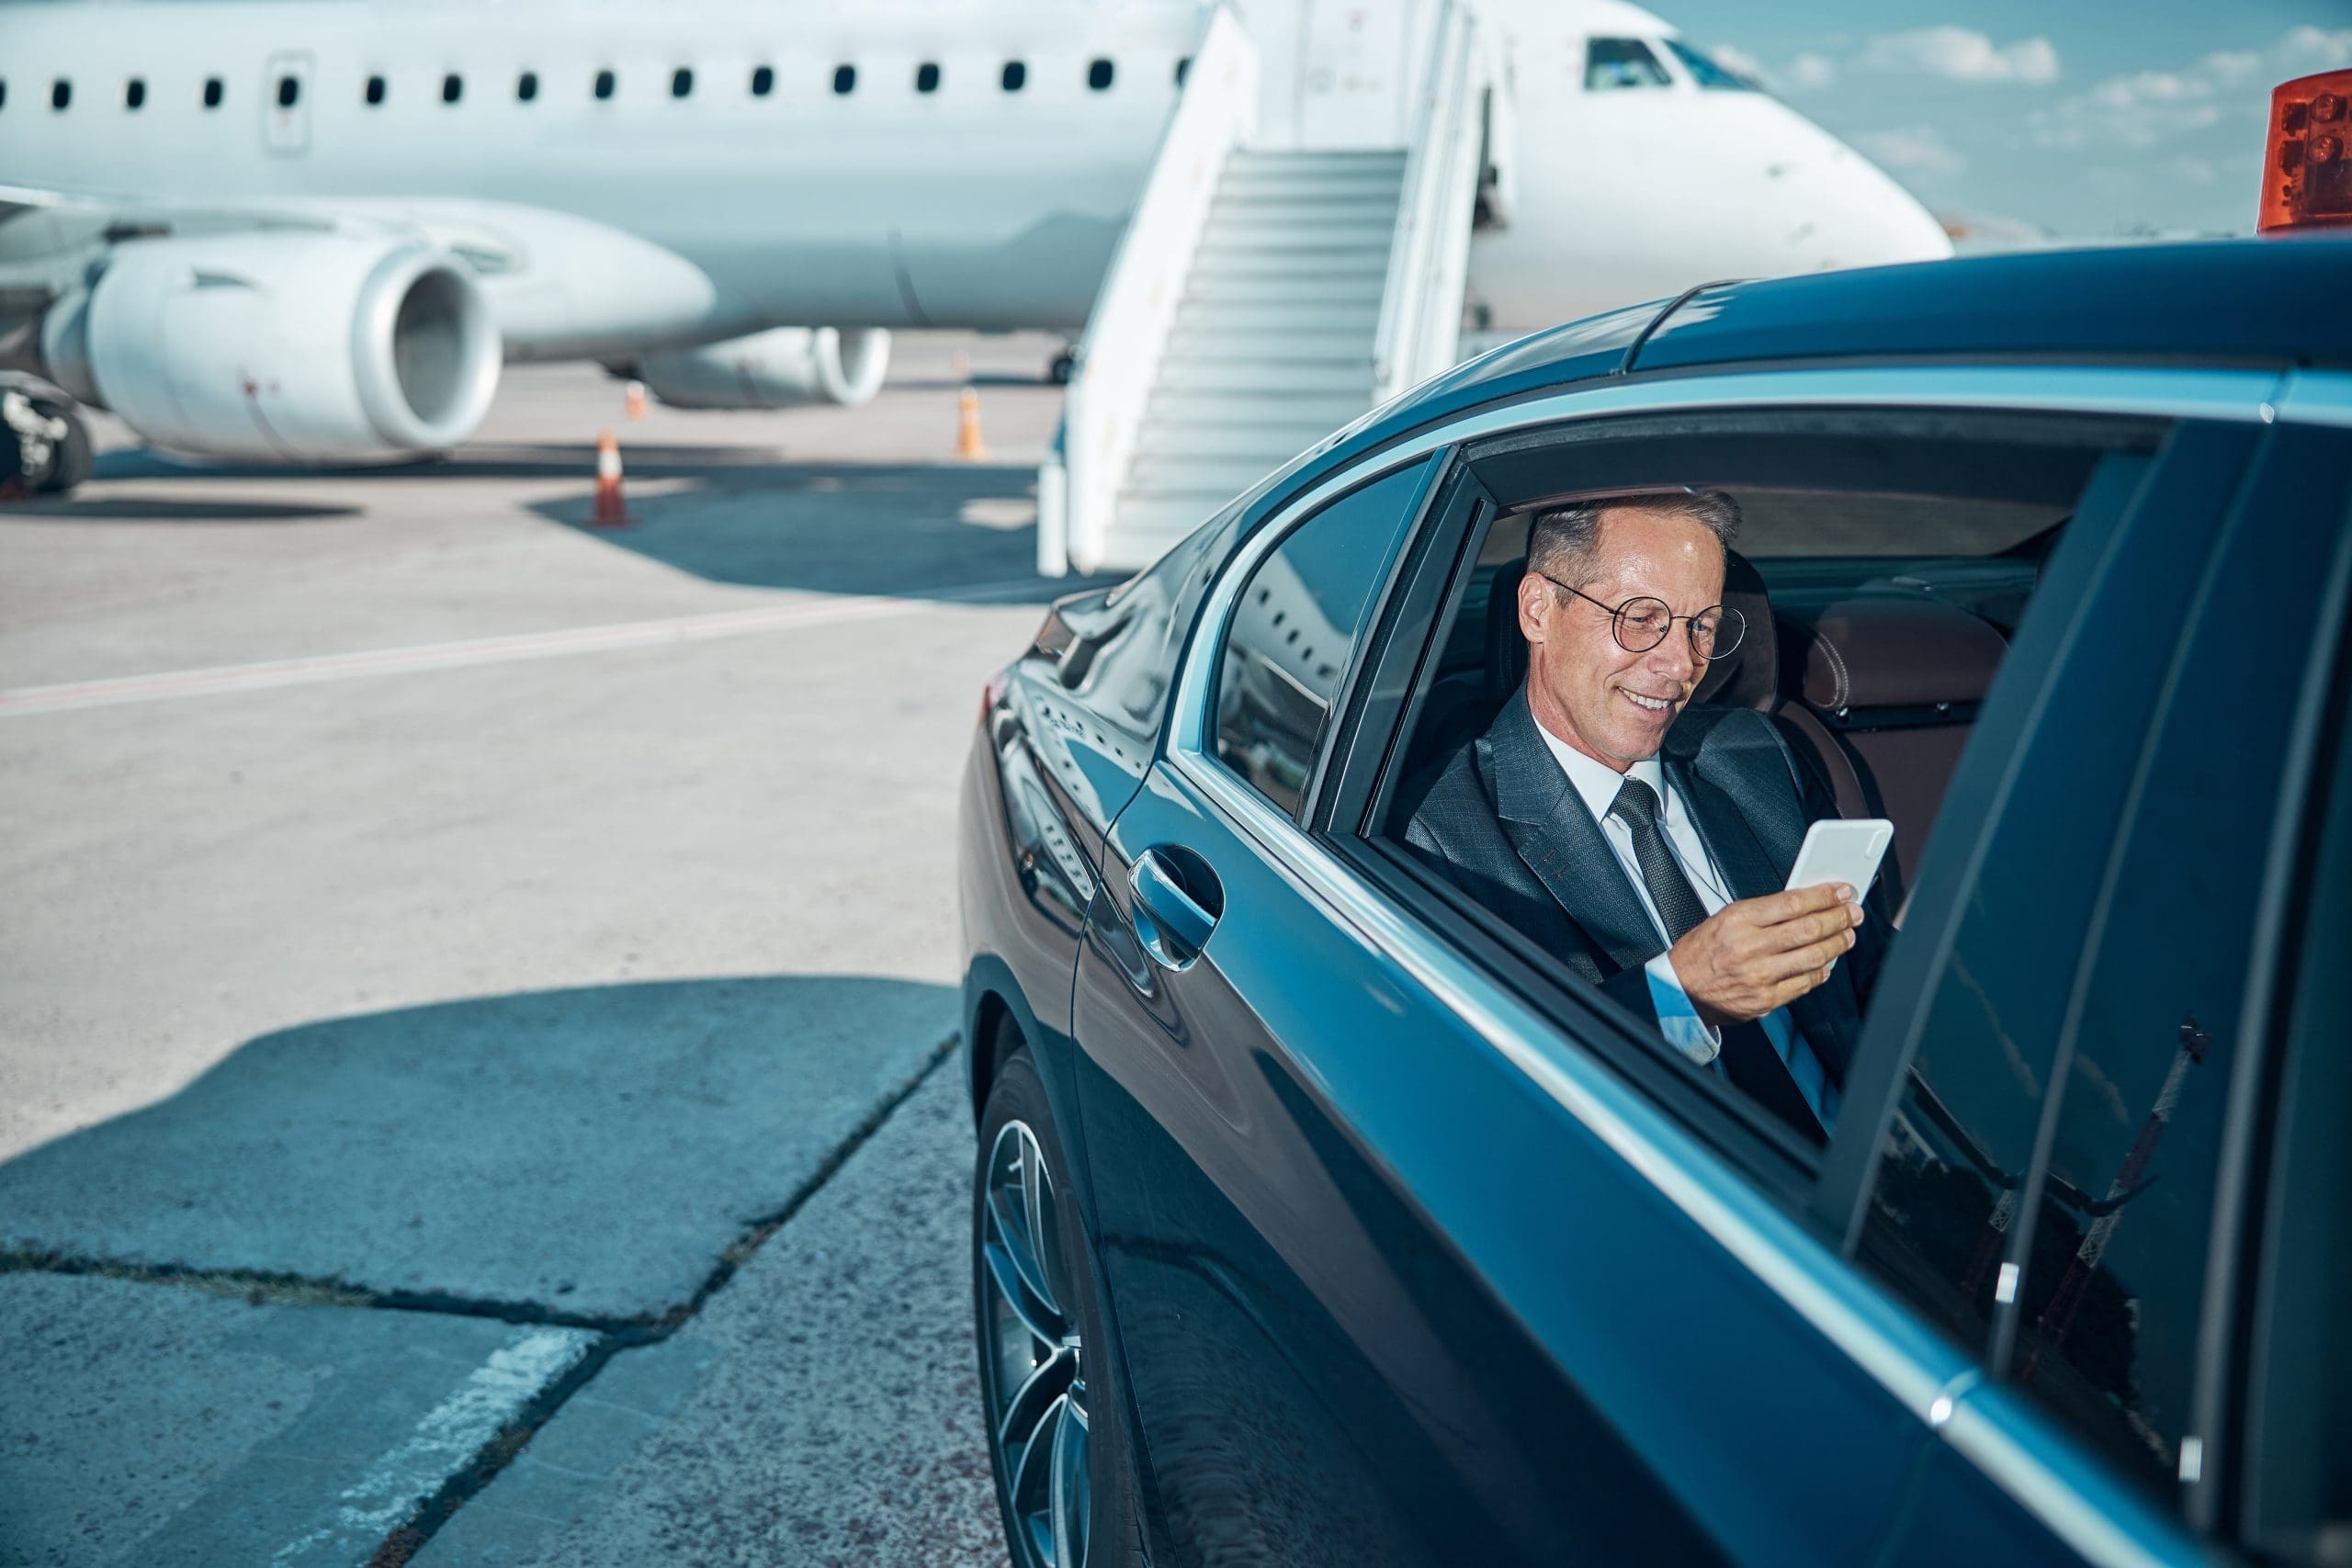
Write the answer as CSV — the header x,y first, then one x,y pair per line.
x,y
1118,356
1433,210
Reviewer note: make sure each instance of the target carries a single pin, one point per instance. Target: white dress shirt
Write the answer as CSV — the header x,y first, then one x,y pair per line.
x,y
1597,785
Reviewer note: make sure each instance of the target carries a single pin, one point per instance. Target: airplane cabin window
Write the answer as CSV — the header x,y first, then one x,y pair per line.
x,y
134,93
213,92
375,90
453,87
61,93
1613,62
682,82
844,80
926,78
289,92
526,86
604,84
763,82
1016,76
1183,68
1707,71
1099,74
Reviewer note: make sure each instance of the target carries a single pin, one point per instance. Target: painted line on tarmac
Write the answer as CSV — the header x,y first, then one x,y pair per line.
x,y
227,679
447,1439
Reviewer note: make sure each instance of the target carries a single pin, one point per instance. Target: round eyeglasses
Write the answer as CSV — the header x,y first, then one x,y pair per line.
x,y
1641,624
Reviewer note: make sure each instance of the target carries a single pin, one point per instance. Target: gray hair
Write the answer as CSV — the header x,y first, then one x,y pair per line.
x,y
1560,542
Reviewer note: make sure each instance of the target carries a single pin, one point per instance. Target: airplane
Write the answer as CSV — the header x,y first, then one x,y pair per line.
x,y
308,232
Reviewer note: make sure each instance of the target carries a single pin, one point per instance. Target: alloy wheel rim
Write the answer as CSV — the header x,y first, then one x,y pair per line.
x,y
1038,1387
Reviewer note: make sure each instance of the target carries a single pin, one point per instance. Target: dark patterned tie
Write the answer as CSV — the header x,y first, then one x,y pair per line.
x,y
1637,806
1751,1059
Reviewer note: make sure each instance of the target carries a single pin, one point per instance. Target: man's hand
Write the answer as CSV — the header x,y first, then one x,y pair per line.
x,y
1759,953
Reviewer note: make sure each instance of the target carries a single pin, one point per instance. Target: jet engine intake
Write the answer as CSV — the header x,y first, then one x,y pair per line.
x,y
780,368
283,347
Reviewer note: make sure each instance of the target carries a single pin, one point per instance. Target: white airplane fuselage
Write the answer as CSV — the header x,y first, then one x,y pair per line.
x,y
617,180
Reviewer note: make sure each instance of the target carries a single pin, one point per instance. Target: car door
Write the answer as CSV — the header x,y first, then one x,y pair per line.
x,y
2060,1184
1383,1296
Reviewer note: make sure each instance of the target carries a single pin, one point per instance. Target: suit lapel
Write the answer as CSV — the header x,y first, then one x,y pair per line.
x,y
1547,824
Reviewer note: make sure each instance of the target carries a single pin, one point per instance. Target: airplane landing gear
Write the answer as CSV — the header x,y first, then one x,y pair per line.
x,y
44,444
1064,367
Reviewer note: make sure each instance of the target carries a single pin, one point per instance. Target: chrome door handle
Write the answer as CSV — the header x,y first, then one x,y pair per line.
x,y
1170,922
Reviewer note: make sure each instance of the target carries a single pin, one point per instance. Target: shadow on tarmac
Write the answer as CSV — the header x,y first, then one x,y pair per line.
x,y
908,530
584,1156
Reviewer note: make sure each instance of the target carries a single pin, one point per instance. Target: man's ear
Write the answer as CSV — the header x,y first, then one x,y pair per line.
x,y
1534,593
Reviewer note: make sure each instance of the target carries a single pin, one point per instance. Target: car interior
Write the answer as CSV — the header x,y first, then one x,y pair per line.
x,y
1872,667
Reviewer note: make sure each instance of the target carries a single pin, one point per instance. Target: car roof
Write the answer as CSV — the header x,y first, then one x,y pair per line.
x,y
2277,301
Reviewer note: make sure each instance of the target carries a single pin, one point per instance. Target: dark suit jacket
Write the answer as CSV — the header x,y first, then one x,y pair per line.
x,y
1503,823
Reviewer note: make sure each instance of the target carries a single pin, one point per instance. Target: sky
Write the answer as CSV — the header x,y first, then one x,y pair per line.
x,y
2077,119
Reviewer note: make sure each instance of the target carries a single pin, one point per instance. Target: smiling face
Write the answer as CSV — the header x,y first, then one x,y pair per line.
x,y
1612,705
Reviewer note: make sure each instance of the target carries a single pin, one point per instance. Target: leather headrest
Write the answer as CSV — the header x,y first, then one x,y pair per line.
x,y
1749,678
1892,651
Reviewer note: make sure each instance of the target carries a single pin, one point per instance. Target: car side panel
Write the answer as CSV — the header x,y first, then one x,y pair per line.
x,y
1384,1300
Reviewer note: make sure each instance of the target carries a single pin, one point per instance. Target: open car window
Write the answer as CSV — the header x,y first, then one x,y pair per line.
x,y
1884,566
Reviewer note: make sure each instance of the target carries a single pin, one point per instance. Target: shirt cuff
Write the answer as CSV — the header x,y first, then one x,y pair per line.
x,y
1676,1018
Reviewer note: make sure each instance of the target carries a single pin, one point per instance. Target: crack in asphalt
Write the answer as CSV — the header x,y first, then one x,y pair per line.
x,y
614,1334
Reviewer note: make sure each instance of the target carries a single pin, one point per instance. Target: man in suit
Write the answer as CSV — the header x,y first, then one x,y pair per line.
x,y
1646,847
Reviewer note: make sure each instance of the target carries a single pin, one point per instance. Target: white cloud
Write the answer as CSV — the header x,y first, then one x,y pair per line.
x,y
1961,54
1811,70
1912,149
2146,107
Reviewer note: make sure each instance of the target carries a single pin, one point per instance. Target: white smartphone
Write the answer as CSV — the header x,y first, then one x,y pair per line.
x,y
1840,851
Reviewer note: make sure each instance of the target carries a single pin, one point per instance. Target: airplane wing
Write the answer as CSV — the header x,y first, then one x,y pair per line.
x,y
560,285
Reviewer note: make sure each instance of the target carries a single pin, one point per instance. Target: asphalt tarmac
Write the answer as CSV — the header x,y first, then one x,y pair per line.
x,y
477,991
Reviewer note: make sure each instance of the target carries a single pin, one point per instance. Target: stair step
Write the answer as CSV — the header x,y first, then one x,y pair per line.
x,y
1341,345
1303,313
1276,439
1354,379
1352,212
1281,290
1273,235
1279,158
1213,265
1191,407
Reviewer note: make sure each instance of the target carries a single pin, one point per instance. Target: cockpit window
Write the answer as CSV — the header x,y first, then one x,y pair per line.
x,y
1708,71
1621,62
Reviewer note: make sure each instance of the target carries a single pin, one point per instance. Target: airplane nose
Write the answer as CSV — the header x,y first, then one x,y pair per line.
x,y
1860,216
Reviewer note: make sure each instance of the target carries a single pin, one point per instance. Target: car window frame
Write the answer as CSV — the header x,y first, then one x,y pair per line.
x,y
2240,1364
1710,1109
1270,536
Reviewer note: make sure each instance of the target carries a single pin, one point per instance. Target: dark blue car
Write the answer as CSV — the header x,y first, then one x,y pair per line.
x,y
1321,1217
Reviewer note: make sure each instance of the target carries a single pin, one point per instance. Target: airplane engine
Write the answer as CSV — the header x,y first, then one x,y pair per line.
x,y
783,367
325,347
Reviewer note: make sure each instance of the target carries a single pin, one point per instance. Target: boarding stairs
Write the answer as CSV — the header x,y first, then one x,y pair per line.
x,y
1271,345
1263,296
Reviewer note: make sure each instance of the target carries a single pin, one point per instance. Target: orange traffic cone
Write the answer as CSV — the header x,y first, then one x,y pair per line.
x,y
968,444
635,401
611,511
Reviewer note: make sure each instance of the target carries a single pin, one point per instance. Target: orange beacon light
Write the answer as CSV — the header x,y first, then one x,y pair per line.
x,y
2307,170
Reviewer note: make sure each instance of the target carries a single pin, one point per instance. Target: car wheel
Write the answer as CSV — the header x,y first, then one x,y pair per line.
x,y
1065,1483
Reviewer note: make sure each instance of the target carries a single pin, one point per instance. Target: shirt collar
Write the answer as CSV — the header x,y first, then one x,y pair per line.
x,y
1597,784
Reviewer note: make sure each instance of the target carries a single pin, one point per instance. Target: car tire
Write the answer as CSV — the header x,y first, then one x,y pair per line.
x,y
1049,1388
